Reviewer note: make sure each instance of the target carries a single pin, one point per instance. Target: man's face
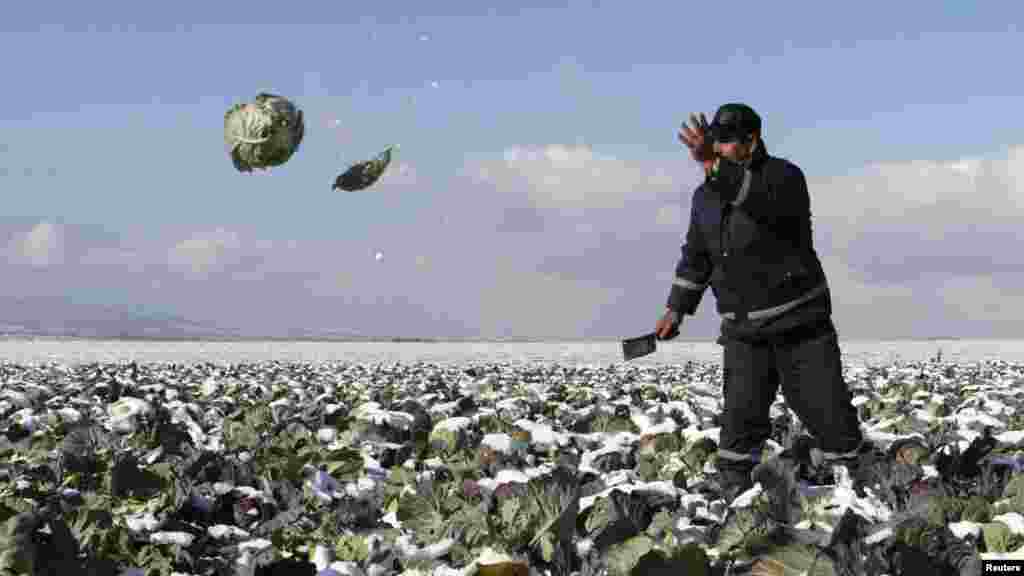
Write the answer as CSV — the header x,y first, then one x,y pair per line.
x,y
736,150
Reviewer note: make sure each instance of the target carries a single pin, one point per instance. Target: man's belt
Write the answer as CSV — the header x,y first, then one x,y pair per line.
x,y
780,309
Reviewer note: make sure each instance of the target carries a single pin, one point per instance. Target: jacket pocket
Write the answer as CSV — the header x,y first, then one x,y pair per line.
x,y
794,274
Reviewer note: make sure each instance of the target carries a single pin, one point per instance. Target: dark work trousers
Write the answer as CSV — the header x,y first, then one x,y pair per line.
x,y
806,362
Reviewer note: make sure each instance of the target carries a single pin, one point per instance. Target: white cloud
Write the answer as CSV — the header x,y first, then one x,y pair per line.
x,y
910,249
949,190
518,303
42,246
572,178
862,308
671,216
924,247
955,214
203,253
901,242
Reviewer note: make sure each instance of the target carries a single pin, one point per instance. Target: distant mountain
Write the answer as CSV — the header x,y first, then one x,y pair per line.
x,y
47,316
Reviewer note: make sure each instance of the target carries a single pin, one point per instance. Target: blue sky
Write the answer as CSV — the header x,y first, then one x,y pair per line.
x,y
538,187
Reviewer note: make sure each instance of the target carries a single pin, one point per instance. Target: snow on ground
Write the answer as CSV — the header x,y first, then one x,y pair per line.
x,y
400,462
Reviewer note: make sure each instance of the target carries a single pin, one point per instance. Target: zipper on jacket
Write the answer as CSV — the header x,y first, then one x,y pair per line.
x,y
726,239
724,233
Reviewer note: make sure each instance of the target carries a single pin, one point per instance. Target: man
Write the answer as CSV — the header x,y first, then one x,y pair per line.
x,y
750,239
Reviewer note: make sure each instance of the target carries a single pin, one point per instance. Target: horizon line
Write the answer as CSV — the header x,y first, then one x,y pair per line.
x,y
450,339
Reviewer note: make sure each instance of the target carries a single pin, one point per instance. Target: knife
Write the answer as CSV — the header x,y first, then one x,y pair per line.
x,y
639,346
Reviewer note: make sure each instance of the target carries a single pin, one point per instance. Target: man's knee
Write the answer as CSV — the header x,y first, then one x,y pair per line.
x,y
736,459
814,387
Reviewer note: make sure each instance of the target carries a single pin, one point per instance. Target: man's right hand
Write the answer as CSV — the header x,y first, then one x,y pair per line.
x,y
667,327
695,138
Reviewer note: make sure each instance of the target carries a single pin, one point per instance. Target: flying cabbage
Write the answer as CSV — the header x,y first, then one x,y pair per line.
x,y
362,175
263,133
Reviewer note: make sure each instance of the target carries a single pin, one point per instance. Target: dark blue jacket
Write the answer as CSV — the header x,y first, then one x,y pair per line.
x,y
751,241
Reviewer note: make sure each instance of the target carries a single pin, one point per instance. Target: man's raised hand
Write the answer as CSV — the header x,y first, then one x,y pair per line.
x,y
695,138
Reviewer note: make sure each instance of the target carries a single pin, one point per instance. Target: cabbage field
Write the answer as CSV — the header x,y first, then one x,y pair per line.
x,y
492,468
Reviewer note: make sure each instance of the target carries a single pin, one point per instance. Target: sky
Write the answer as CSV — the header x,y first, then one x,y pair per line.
x,y
538,191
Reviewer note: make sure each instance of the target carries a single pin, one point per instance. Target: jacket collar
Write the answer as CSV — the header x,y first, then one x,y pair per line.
x,y
758,156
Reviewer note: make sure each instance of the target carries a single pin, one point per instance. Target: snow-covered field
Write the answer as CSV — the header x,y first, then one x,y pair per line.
x,y
479,459
592,353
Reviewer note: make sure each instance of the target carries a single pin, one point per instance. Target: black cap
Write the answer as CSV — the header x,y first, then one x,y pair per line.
x,y
734,121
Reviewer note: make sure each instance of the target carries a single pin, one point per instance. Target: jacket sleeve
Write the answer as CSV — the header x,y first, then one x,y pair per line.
x,y
781,196
693,271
